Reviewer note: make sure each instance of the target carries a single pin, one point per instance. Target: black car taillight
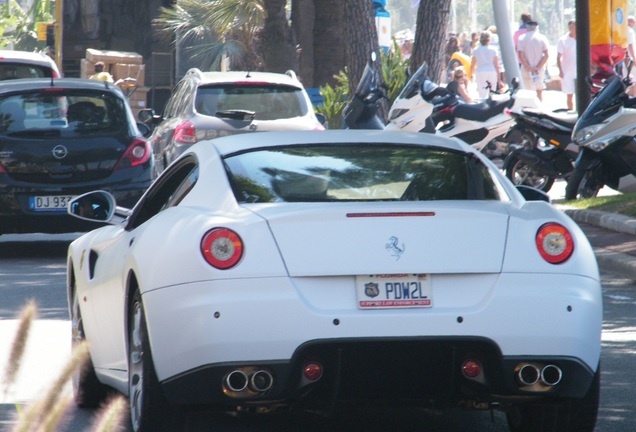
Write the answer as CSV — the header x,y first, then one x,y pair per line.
x,y
136,154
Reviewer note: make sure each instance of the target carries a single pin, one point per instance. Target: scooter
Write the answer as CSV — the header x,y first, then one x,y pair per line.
x,y
605,133
420,107
361,111
543,148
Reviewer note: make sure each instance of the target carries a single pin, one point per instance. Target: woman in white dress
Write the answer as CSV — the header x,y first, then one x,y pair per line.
x,y
485,66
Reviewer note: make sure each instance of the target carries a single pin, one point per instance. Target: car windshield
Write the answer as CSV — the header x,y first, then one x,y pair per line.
x,y
362,172
61,112
265,102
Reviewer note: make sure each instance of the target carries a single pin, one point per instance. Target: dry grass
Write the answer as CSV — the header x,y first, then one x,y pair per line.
x,y
47,413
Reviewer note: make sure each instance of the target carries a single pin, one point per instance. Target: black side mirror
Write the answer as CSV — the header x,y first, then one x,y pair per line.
x,y
533,194
97,206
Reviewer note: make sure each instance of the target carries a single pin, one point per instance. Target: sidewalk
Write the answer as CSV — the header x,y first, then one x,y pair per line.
x,y
613,238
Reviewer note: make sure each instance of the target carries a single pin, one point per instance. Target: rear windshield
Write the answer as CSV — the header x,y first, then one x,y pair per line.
x,y
64,113
21,70
365,172
265,102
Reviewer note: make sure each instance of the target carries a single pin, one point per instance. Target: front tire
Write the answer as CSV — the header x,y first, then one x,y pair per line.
x,y
520,173
572,415
149,409
581,184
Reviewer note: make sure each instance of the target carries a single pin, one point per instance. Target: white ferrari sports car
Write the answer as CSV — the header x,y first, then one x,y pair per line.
x,y
337,269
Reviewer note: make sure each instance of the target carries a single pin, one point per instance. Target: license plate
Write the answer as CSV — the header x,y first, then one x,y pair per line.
x,y
49,202
394,291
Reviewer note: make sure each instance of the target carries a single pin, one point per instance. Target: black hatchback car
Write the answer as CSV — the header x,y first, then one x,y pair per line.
x,y
60,138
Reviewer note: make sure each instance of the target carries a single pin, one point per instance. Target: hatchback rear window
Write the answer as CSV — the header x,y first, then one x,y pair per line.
x,y
62,112
21,70
364,172
265,102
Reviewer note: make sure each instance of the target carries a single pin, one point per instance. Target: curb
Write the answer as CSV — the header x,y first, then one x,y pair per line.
x,y
609,261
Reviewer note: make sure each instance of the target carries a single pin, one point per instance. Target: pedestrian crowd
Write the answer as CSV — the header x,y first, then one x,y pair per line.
x,y
475,67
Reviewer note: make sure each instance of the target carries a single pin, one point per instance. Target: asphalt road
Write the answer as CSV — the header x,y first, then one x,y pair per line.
x,y
32,269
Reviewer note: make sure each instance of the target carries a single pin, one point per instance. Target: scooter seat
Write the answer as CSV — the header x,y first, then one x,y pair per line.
x,y
567,118
480,112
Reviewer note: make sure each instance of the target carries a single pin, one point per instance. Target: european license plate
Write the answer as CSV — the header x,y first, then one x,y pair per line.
x,y
394,291
49,202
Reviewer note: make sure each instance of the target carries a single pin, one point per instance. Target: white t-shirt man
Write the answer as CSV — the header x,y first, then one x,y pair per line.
x,y
533,54
566,48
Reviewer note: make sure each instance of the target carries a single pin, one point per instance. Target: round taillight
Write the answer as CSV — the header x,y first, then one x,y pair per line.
x,y
471,368
555,243
312,371
222,248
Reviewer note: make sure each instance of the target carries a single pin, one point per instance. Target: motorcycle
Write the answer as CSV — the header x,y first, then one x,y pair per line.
x,y
605,134
423,107
543,148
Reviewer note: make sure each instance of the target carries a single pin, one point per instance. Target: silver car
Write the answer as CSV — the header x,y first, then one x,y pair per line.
x,y
207,105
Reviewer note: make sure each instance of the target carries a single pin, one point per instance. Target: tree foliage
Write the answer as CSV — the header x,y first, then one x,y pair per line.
x,y
19,27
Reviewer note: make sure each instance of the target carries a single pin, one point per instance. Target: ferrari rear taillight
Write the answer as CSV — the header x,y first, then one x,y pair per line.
x,y
185,133
554,242
136,154
222,248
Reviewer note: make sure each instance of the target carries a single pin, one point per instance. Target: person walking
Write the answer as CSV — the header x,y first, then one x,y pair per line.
x,y
566,61
533,55
484,66
631,51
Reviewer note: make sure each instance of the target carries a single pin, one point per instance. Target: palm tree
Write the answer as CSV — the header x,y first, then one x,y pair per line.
x,y
430,35
210,30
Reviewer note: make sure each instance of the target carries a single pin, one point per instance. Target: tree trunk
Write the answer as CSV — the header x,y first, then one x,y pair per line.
x,y
362,38
430,36
279,50
302,18
329,41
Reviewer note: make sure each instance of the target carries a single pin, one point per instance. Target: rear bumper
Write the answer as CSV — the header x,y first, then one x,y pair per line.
x,y
17,217
384,372
280,324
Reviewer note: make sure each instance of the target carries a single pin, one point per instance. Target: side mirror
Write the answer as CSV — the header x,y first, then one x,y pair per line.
x,y
533,194
145,130
97,206
145,115
321,118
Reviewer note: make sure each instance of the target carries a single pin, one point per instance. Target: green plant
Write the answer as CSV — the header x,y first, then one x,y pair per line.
x,y
335,99
624,204
394,75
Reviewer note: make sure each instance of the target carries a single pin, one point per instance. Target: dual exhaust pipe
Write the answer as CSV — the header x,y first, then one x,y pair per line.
x,y
258,381
529,374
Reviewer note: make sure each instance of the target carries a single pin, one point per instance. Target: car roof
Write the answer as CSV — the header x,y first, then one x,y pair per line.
x,y
27,57
16,85
245,77
242,142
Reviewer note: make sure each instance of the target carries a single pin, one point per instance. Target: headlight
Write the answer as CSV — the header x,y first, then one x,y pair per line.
x,y
586,133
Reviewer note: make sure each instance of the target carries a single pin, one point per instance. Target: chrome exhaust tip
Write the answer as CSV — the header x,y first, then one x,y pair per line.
x,y
528,374
261,381
236,380
551,375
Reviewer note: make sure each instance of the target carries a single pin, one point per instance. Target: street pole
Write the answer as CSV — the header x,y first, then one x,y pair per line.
x,y
508,54
583,56
59,30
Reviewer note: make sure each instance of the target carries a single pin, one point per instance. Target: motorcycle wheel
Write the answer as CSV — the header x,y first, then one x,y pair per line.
x,y
520,173
581,184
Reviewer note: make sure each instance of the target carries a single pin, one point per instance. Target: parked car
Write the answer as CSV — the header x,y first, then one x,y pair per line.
x,y
60,138
323,270
25,64
207,105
